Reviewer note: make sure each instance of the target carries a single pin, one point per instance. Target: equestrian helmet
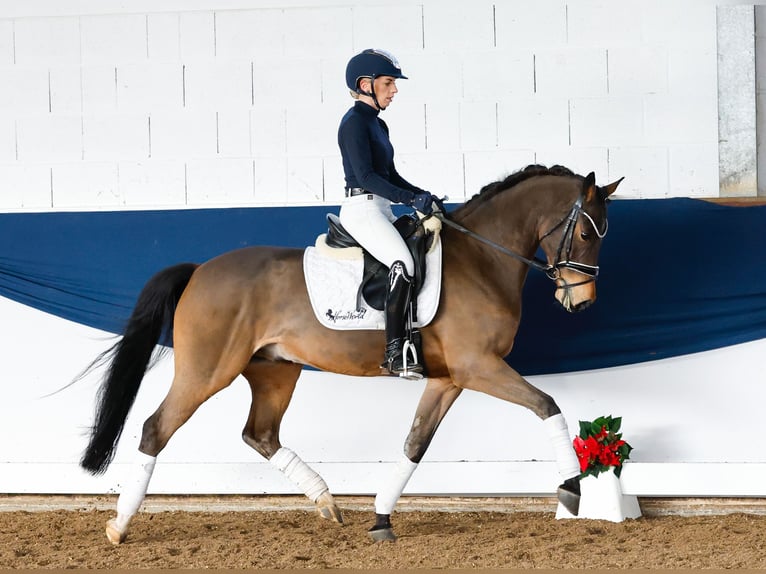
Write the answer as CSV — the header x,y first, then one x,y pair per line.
x,y
371,63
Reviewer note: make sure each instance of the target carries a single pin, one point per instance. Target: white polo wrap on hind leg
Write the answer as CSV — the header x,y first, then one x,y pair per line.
x,y
301,474
566,458
134,489
387,497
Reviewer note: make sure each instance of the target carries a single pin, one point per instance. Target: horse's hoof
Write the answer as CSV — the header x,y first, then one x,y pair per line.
x,y
382,535
569,495
113,534
327,508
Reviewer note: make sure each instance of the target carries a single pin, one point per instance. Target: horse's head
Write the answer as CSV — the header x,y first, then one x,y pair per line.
x,y
572,245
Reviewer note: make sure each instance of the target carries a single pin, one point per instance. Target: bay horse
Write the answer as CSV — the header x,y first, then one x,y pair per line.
x,y
247,312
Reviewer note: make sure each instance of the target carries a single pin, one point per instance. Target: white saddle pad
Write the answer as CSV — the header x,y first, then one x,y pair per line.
x,y
333,277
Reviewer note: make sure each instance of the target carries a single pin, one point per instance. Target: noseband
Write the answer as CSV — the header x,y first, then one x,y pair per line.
x,y
562,253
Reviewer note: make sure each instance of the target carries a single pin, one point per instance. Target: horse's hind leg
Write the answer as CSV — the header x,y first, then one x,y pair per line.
x,y
181,402
272,385
437,398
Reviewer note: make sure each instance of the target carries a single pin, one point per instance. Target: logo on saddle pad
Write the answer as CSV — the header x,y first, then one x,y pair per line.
x,y
333,278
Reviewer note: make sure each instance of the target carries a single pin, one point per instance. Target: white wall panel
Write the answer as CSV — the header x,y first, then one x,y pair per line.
x,y
312,31
432,76
7,139
153,183
693,170
218,85
65,90
673,119
163,37
47,41
271,180
250,34
485,77
312,129
268,130
234,133
478,126
494,76
85,184
406,122
602,23
113,39
645,170
24,90
99,88
453,27
574,71
7,47
692,71
150,86
526,25
304,180
438,173
398,28
607,121
533,122
197,36
115,137
334,179
661,22
442,126
49,138
25,186
638,70
287,81
183,134
219,181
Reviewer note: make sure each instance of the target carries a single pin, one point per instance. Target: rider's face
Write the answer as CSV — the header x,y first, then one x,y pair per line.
x,y
385,88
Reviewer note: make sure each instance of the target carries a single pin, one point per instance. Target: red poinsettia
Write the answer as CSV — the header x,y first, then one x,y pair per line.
x,y
600,447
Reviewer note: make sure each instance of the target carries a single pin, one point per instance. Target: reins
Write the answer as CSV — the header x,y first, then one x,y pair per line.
x,y
551,271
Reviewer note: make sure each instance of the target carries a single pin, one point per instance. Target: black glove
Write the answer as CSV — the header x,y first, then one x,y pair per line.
x,y
423,203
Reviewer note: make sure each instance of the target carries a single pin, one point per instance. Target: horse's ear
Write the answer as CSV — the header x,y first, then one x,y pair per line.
x,y
610,189
589,186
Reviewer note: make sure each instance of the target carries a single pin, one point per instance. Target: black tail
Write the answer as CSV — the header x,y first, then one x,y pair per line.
x,y
150,323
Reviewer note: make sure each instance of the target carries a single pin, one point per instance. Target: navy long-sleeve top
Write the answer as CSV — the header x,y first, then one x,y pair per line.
x,y
368,156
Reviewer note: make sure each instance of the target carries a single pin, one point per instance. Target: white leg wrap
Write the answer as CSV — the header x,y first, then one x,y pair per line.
x,y
301,474
388,496
134,489
566,458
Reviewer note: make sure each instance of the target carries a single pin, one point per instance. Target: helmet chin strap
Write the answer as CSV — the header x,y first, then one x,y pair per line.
x,y
371,94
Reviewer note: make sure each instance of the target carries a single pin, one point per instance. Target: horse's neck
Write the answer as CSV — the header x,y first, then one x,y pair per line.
x,y
508,220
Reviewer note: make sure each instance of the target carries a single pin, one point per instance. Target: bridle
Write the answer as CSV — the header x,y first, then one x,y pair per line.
x,y
562,253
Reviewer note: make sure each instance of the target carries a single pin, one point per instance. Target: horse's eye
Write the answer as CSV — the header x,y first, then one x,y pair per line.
x,y
585,235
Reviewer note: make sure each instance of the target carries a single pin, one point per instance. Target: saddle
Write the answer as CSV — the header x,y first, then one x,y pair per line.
x,y
375,275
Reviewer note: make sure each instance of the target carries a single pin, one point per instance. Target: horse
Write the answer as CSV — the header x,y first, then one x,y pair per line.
x,y
247,312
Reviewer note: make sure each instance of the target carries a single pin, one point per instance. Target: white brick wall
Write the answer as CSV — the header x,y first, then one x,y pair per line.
x,y
240,105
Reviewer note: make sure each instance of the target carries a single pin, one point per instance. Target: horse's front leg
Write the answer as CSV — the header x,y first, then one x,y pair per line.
x,y
493,376
437,398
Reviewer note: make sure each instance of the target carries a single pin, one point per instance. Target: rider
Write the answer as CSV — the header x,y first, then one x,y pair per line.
x,y
373,184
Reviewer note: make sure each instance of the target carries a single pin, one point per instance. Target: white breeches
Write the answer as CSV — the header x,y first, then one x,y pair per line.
x,y
368,218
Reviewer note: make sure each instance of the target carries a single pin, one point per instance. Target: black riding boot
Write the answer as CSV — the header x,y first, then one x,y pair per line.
x,y
397,307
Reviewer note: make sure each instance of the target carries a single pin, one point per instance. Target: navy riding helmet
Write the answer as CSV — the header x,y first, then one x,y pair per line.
x,y
371,63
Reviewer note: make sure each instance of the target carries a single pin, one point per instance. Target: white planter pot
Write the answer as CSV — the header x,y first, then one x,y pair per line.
x,y
602,499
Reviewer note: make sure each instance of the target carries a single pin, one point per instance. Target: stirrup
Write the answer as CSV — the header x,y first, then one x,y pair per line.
x,y
416,372
411,370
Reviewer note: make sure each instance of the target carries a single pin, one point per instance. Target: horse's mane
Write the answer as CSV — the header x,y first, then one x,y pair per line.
x,y
492,189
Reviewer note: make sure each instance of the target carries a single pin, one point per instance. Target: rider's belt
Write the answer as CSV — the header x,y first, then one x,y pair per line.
x,y
352,191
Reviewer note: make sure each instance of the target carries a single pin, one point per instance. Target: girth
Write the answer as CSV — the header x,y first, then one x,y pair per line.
x,y
375,276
